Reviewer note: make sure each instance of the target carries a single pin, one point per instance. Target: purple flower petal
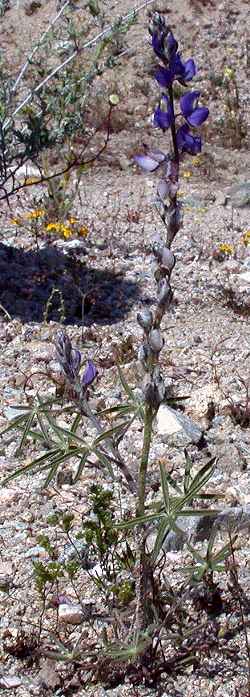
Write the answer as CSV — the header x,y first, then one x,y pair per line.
x,y
163,115
164,77
158,43
162,189
190,70
189,102
198,116
186,142
89,374
183,71
157,155
172,44
146,162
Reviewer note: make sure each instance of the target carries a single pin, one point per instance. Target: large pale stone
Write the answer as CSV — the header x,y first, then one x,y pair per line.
x,y
176,428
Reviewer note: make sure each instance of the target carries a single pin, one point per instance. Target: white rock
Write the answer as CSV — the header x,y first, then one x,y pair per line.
x,y
9,682
175,427
70,614
245,277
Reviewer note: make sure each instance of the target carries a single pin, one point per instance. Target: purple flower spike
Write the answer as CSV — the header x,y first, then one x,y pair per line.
x,y
89,374
186,142
163,115
193,114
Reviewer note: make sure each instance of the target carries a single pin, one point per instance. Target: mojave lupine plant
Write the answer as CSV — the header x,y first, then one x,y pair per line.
x,y
101,451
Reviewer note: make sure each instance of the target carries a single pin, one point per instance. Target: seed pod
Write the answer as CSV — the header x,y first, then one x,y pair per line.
x,y
160,389
145,320
155,340
164,293
143,355
167,259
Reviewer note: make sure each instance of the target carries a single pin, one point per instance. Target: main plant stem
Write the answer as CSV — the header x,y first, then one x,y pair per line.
x,y
148,421
143,580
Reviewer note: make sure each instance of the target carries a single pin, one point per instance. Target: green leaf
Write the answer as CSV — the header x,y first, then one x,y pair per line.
x,y
104,460
165,490
140,520
125,385
32,465
107,435
163,530
81,465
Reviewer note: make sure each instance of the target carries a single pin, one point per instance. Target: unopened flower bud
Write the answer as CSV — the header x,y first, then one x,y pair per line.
x,y
145,320
155,340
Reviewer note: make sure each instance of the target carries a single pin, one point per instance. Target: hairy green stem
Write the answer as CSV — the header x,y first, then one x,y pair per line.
x,y
142,585
148,421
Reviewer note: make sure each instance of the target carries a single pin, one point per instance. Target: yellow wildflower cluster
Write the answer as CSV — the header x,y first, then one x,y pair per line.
x,y
62,229
34,215
65,230
226,248
246,238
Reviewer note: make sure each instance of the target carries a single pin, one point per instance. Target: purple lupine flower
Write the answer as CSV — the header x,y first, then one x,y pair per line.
x,y
89,374
164,115
177,70
194,115
186,142
151,160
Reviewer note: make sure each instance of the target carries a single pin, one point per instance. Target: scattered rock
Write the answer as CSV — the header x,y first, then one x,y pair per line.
x,y
199,527
74,613
10,682
31,7
177,429
239,194
47,676
245,277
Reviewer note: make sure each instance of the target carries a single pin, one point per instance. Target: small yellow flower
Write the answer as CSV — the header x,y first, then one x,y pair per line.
x,y
34,215
187,174
229,73
72,220
66,231
196,161
52,227
226,248
83,231
246,238
16,221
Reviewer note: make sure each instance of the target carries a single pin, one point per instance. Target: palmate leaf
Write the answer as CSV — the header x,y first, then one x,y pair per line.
x,y
128,653
26,469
